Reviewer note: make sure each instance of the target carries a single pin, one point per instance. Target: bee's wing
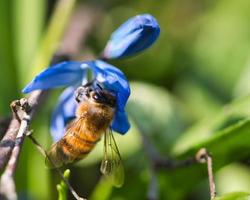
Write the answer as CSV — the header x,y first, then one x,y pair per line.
x,y
112,166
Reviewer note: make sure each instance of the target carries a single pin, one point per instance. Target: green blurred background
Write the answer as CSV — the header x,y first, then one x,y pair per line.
x,y
189,90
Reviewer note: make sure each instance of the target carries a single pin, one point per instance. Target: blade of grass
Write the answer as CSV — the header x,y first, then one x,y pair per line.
x,y
53,35
8,74
28,20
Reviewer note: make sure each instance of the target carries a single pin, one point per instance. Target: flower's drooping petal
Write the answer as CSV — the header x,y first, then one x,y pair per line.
x,y
112,79
63,113
135,35
115,81
73,74
61,74
120,123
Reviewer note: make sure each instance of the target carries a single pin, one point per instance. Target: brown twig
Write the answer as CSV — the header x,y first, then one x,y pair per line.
x,y
204,157
8,141
4,124
23,110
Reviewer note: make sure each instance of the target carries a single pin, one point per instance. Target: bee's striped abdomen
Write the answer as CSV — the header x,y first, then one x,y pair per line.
x,y
73,146
77,145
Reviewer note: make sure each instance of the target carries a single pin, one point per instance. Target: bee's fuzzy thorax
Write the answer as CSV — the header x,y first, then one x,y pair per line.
x,y
97,117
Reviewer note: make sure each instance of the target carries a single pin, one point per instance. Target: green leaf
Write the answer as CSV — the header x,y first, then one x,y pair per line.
x,y
234,196
228,145
206,128
155,113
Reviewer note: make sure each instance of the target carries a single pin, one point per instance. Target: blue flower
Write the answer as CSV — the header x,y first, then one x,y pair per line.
x,y
134,36
73,74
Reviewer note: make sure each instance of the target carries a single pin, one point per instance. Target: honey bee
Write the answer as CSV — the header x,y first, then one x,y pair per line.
x,y
95,111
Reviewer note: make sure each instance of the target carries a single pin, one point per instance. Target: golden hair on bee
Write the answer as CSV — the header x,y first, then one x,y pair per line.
x,y
94,114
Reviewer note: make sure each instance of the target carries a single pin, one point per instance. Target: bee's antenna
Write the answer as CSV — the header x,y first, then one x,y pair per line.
x,y
98,85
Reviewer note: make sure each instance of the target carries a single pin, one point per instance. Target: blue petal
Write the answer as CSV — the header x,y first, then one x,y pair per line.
x,y
113,79
120,123
74,74
61,74
63,113
134,36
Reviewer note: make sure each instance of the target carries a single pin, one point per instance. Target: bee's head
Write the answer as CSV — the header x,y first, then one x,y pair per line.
x,y
95,94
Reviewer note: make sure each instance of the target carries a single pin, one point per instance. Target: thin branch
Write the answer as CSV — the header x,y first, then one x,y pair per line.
x,y
44,153
152,154
153,191
4,124
204,157
159,161
8,142
23,110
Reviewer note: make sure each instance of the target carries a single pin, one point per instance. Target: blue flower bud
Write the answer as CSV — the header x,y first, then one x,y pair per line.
x,y
132,37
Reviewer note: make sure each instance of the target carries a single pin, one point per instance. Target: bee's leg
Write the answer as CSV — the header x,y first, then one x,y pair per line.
x,y
80,93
